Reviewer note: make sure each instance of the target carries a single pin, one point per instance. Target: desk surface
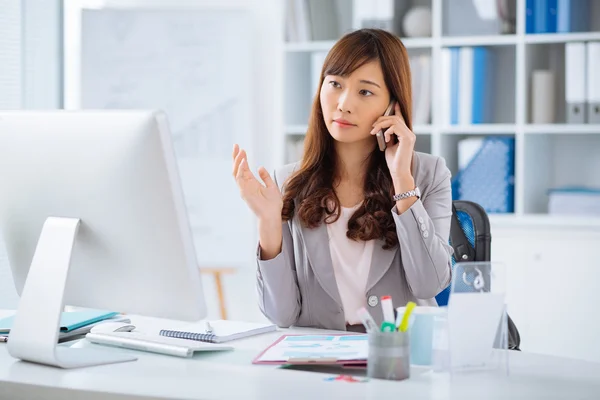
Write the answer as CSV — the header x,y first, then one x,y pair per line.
x,y
231,375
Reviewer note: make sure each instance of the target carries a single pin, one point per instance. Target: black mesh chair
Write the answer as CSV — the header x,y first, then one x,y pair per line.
x,y
471,239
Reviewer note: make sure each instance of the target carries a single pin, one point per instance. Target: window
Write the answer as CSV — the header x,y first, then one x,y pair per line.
x,y
11,55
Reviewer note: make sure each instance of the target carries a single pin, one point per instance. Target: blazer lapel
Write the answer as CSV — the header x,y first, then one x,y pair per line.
x,y
317,251
380,263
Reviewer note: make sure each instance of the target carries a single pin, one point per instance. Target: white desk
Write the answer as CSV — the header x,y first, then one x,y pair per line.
x,y
231,375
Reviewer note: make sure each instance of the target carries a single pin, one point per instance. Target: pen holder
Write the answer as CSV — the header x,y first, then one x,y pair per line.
x,y
389,355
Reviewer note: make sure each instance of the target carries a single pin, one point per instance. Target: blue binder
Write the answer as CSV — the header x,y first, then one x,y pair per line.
x,y
530,16
489,178
454,84
573,16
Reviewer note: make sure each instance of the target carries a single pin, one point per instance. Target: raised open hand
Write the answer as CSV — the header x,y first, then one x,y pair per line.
x,y
264,200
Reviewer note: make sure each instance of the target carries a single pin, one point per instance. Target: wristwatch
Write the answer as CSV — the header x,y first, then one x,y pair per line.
x,y
406,195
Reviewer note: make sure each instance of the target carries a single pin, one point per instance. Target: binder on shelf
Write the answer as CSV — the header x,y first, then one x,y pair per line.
x,y
454,84
541,14
572,16
324,24
575,76
471,85
420,67
551,15
593,82
530,16
446,87
488,178
483,90
466,86
302,20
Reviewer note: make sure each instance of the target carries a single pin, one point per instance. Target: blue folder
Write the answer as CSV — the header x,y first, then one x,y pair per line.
x,y
489,178
69,320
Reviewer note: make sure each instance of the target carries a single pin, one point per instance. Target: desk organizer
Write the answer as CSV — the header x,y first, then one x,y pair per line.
x,y
389,355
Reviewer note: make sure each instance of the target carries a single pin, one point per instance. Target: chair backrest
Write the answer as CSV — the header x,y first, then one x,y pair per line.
x,y
471,239
470,236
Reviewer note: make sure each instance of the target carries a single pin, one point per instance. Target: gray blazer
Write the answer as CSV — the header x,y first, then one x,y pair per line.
x,y
298,286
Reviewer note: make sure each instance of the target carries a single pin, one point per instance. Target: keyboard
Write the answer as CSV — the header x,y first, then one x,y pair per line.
x,y
153,343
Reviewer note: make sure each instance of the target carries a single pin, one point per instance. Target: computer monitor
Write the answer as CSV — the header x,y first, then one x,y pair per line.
x,y
93,215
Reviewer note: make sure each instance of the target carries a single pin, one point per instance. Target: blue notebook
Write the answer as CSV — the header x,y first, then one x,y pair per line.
x,y
69,320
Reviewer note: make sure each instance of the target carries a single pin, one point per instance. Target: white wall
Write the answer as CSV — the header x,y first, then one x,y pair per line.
x,y
553,275
36,82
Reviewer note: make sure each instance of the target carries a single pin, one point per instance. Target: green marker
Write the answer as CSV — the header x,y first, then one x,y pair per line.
x,y
388,327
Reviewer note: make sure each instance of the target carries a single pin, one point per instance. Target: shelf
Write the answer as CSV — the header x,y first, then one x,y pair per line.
x,y
492,40
476,129
317,45
417,43
543,220
326,45
557,129
562,37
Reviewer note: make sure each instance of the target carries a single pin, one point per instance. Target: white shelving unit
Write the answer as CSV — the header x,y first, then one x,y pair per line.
x,y
546,155
544,254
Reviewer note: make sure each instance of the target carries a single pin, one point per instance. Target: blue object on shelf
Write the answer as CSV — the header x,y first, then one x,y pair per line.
x,y
454,84
489,178
483,85
551,15
573,16
530,16
541,14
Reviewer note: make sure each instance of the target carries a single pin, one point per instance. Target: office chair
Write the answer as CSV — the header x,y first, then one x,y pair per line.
x,y
470,237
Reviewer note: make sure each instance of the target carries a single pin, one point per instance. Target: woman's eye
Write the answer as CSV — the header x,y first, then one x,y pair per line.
x,y
365,92
334,84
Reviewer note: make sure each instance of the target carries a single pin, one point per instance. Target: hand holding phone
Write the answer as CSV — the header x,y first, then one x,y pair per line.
x,y
380,136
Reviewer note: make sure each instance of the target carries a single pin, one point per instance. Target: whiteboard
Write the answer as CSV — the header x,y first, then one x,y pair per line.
x,y
196,65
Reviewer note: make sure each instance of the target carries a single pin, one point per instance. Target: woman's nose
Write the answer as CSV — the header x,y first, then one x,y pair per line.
x,y
344,103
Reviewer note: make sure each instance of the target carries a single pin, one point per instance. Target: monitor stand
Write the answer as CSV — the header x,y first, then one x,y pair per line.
x,y
34,334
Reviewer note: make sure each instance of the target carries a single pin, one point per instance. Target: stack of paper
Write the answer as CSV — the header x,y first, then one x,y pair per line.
x,y
580,201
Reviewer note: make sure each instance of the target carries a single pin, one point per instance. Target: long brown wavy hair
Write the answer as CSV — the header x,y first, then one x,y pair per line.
x,y
311,188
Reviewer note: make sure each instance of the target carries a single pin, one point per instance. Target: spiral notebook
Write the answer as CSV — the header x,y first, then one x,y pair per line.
x,y
223,331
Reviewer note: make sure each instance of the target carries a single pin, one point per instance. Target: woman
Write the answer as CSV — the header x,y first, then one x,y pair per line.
x,y
353,223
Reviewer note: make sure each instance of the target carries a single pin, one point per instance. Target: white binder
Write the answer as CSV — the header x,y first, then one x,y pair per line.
x,y
446,93
593,82
575,75
465,108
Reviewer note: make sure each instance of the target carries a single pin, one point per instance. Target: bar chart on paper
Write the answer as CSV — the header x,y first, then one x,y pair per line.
x,y
317,347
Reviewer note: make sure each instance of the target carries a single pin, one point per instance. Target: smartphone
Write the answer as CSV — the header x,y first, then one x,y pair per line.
x,y
380,135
